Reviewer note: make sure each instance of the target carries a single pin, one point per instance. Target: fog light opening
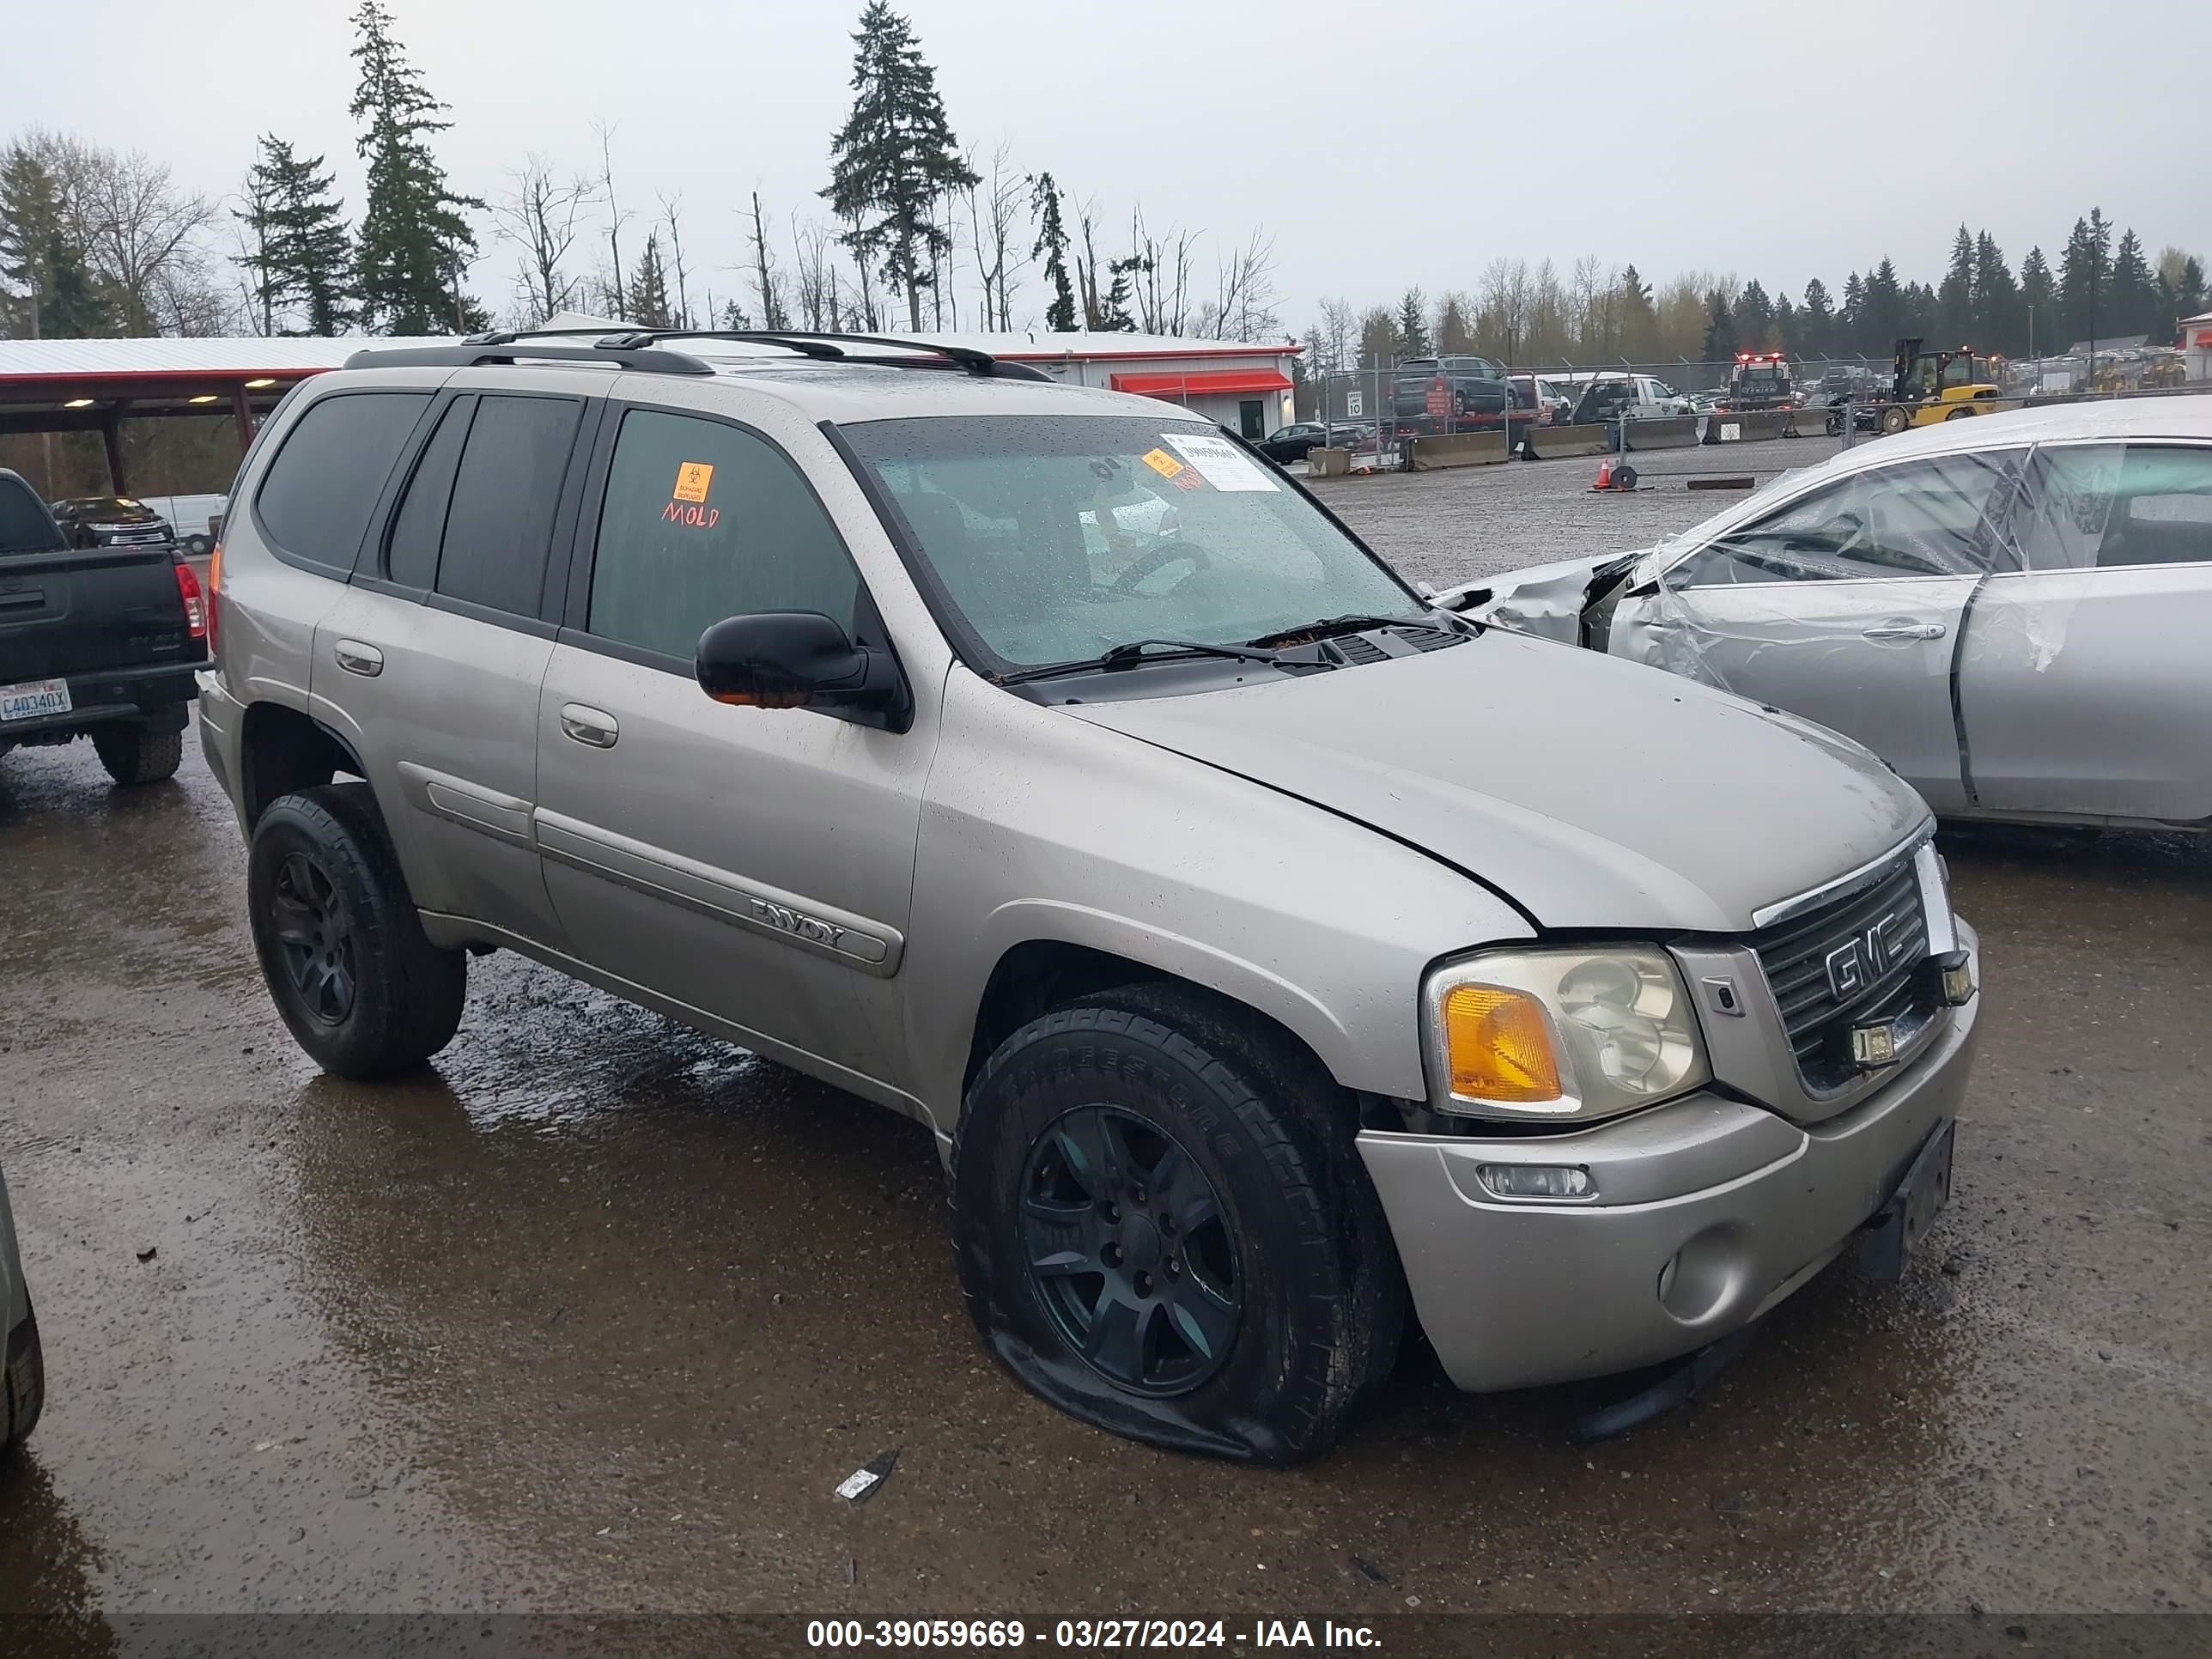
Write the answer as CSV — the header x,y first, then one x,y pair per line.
x,y
1544,1182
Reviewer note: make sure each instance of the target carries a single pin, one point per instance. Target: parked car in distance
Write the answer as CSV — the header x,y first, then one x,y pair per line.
x,y
1474,392
99,640
111,521
1245,1000
2009,611
1294,443
23,1362
1549,403
195,519
1640,397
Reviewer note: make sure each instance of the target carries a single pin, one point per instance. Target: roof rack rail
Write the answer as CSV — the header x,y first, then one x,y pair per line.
x,y
641,349
616,350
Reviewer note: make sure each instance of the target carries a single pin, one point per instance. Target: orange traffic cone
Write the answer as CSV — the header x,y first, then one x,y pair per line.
x,y
1604,475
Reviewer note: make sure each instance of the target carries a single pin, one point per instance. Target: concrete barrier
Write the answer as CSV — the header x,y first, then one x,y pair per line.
x,y
1550,442
1328,463
1664,432
1431,454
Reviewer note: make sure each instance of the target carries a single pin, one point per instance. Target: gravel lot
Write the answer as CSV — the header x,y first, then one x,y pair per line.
x,y
1447,528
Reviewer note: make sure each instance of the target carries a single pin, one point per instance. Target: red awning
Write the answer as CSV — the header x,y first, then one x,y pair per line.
x,y
1202,381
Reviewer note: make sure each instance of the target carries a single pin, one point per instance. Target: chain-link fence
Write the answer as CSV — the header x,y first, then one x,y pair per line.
x,y
1373,411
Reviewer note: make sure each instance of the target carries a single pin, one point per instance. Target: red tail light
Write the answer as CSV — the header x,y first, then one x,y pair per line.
x,y
188,590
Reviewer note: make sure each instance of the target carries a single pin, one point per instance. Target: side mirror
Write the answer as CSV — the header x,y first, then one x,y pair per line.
x,y
798,659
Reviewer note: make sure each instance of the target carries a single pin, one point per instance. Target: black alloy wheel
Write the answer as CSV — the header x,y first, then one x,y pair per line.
x,y
1127,1247
314,939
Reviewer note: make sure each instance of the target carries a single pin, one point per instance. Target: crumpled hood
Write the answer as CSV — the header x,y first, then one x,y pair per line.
x,y
1595,793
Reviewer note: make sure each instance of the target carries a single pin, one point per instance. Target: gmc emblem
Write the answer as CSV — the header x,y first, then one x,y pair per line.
x,y
1857,963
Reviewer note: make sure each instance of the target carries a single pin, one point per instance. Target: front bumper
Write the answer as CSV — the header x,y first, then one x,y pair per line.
x,y
1746,1205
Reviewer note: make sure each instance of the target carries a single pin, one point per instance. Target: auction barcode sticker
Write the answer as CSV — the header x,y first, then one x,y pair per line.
x,y
1219,462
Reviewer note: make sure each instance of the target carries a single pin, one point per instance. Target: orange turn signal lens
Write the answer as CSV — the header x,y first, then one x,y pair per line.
x,y
1499,1044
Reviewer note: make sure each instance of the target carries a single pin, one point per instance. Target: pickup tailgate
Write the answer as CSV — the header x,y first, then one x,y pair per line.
x,y
82,610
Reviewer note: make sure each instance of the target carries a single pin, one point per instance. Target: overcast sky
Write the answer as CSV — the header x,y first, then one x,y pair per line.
x,y
1380,144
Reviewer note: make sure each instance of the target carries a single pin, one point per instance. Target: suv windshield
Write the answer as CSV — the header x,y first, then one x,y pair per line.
x,y
1054,538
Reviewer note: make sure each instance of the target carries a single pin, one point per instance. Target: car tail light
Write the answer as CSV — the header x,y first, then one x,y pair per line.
x,y
188,590
213,596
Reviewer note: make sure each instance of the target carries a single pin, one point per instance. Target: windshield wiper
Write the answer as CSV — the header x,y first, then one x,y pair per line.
x,y
1131,653
1325,627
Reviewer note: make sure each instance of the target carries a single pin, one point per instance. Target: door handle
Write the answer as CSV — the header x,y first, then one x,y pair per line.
x,y
581,723
358,658
1904,631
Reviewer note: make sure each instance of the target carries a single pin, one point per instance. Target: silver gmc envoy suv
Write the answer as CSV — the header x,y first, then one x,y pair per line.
x,y
1266,947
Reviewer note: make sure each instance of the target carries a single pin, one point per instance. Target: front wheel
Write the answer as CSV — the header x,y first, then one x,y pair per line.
x,y
1895,419
1162,1228
348,965
22,1384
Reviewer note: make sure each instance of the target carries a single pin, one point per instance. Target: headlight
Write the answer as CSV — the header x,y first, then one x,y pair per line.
x,y
1560,1033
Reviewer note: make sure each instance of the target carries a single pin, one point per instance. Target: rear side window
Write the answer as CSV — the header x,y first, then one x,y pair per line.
x,y
316,498
419,528
507,491
703,522
24,526
2103,506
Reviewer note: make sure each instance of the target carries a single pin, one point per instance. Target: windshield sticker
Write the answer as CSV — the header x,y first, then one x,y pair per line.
x,y
693,480
1224,466
1161,462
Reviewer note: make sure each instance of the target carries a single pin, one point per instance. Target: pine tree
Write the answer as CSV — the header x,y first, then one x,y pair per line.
x,y
1785,332
1882,314
1955,300
2189,292
77,308
1755,317
1414,324
1051,246
646,303
2135,300
1997,320
1721,345
1816,321
2085,279
2039,300
1850,317
895,158
298,253
30,230
1639,318
415,244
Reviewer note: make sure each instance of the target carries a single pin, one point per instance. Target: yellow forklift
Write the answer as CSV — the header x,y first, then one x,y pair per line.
x,y
1937,386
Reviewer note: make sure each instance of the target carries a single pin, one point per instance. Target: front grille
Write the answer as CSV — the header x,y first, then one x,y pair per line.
x,y
1796,956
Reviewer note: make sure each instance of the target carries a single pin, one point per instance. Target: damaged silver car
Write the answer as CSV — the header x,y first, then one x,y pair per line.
x,y
2010,611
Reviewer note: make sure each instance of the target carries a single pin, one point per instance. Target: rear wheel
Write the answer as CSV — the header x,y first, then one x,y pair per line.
x,y
134,755
348,965
1163,1227
22,1384
1960,414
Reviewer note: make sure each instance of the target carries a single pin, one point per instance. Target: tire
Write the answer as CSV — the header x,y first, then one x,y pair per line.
x,y
1272,1310
1960,414
343,950
1895,419
22,1384
134,755
199,545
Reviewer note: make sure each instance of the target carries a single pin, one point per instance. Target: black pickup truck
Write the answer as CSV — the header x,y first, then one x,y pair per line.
x,y
97,642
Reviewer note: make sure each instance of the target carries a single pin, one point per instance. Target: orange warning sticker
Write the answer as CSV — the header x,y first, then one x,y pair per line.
x,y
1162,462
693,479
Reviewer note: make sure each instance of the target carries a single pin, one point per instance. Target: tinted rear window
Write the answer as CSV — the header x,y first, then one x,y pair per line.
x,y
24,526
316,499
499,529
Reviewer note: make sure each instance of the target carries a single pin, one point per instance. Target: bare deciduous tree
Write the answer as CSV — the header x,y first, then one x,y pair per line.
x,y
1243,306
767,280
138,229
815,278
616,291
543,217
671,216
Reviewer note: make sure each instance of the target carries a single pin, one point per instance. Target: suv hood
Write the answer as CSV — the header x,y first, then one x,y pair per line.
x,y
1593,792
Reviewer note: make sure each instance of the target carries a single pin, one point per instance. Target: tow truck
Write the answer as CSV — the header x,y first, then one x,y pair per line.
x,y
1760,379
